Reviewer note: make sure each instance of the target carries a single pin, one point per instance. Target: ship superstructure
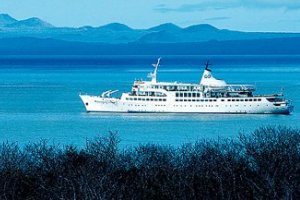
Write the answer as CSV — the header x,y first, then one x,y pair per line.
x,y
210,95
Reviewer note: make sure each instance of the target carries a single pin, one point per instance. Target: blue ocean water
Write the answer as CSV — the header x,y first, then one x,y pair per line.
x,y
39,97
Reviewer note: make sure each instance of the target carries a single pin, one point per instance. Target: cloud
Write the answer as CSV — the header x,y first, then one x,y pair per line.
x,y
221,5
216,18
191,7
269,4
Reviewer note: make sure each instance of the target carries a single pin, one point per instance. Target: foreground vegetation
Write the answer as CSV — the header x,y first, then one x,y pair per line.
x,y
261,165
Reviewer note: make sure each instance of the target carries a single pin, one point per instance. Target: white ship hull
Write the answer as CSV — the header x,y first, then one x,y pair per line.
x,y
100,104
211,95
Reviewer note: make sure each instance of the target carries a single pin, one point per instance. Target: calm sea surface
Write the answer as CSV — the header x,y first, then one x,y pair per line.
x,y
39,97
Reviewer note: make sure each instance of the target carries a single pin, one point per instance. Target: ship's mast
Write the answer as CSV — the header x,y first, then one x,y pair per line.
x,y
154,73
207,64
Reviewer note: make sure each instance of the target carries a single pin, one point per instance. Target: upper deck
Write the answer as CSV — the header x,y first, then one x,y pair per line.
x,y
207,84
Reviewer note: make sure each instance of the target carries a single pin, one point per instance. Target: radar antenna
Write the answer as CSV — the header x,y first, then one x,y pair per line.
x,y
154,73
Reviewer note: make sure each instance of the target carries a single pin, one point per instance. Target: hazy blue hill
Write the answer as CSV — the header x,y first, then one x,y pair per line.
x,y
167,32
174,34
201,27
161,37
33,46
202,32
5,19
205,32
35,36
115,27
165,27
111,33
116,33
30,23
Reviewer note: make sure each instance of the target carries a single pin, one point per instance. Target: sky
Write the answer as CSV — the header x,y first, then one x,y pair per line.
x,y
243,15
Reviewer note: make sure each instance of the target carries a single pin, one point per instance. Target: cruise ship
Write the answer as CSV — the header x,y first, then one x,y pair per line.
x,y
210,95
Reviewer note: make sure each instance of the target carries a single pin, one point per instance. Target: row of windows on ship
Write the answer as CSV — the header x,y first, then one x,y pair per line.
x,y
211,100
198,100
152,94
214,94
159,94
179,94
172,87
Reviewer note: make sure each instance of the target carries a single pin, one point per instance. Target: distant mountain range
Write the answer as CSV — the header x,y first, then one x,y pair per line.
x,y
116,33
35,36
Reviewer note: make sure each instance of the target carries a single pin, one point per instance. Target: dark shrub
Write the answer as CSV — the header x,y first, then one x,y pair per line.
x,y
261,165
